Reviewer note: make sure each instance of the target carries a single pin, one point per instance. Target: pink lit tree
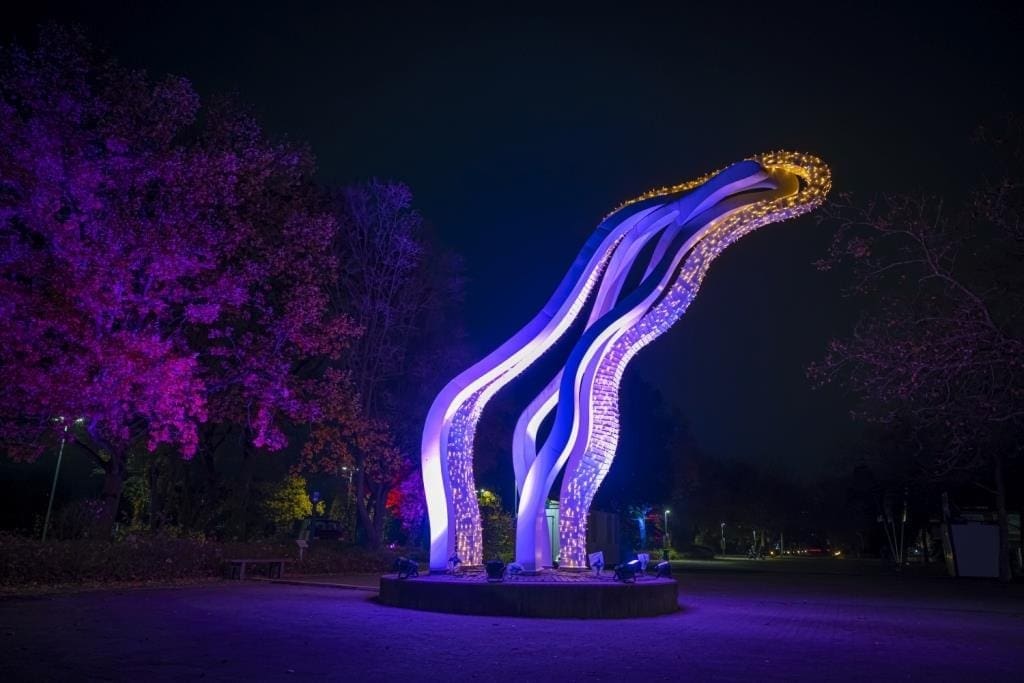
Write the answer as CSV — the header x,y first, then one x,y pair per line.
x,y
156,271
265,368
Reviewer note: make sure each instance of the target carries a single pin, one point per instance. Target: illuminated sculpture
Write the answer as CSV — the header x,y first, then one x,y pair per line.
x,y
684,227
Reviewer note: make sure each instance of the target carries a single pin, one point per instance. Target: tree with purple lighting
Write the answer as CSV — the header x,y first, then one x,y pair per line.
x,y
159,268
407,504
267,371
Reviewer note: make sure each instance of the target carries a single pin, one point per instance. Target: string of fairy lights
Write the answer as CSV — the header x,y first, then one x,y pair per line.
x,y
524,435
591,444
585,473
465,530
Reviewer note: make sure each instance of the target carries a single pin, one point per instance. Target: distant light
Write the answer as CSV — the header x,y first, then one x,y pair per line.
x,y
838,553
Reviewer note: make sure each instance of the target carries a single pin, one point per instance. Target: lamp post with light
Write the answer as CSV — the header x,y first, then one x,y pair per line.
x,y
56,471
56,474
349,525
668,542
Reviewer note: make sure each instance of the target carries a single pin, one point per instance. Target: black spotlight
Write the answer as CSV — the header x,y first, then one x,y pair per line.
x,y
664,570
495,570
405,568
627,571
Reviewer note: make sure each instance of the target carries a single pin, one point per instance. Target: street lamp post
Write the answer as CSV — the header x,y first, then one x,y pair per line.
x,y
723,538
347,474
668,542
56,474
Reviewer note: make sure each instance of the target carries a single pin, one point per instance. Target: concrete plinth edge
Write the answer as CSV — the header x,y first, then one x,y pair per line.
x,y
578,599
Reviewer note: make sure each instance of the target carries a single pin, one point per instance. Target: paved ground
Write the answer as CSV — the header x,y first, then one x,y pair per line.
x,y
741,626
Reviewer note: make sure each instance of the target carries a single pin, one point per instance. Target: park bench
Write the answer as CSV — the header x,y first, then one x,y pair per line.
x,y
275,567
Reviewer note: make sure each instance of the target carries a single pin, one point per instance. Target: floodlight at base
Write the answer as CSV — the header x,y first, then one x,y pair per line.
x,y
627,571
495,570
404,568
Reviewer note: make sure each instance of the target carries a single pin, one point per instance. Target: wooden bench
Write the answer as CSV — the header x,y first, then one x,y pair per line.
x,y
275,567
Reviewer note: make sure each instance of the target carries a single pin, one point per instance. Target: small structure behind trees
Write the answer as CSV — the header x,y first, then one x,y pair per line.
x,y
939,351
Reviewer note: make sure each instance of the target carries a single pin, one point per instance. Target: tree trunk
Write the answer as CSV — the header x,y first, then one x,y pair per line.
x,y
1004,525
213,438
241,498
371,538
155,497
110,497
379,512
341,506
210,471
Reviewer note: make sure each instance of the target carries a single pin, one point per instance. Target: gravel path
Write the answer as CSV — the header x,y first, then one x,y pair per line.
x,y
742,627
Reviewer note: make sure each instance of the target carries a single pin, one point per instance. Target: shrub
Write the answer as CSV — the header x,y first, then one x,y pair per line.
x,y
136,558
78,519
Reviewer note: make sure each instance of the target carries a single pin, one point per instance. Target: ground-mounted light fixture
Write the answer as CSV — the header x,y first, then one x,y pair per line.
x,y
495,570
404,568
596,562
627,571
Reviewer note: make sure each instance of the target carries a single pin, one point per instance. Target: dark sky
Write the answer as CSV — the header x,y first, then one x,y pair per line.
x,y
519,133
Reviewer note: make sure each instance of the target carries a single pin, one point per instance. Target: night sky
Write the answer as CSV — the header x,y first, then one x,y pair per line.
x,y
518,134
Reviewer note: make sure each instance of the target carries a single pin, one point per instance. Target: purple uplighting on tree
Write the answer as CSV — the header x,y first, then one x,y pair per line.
x,y
158,272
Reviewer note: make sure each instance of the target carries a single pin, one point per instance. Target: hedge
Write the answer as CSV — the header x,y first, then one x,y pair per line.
x,y
155,558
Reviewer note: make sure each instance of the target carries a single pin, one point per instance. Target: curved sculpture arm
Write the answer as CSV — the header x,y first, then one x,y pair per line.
x,y
698,218
803,183
446,448
572,422
744,175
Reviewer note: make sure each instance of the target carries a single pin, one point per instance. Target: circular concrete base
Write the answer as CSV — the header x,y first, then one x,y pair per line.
x,y
551,594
